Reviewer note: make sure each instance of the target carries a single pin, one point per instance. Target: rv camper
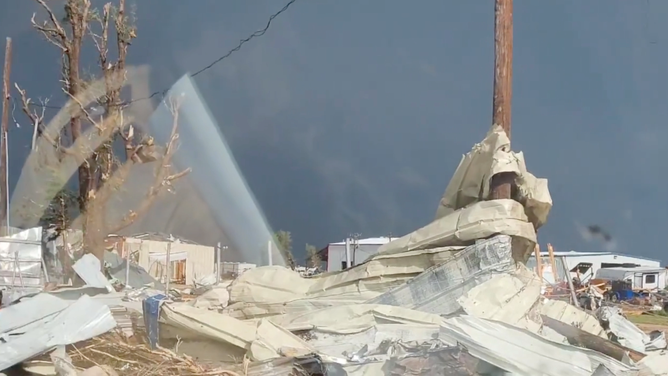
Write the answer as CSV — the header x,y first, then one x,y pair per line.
x,y
641,278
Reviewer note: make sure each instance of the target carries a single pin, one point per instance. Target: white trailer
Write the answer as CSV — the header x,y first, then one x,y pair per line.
x,y
641,278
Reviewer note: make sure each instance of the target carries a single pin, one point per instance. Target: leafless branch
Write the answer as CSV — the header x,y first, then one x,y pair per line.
x,y
37,120
162,179
83,110
52,29
101,40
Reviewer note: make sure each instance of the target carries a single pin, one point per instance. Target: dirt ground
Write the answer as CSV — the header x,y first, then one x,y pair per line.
x,y
650,322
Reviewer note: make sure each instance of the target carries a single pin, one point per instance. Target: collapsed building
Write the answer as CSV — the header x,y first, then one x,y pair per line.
x,y
451,298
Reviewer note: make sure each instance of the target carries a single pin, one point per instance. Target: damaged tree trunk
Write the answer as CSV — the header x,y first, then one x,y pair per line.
x,y
501,185
101,172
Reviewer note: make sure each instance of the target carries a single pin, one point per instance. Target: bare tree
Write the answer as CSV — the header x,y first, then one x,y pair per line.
x,y
284,243
101,172
314,259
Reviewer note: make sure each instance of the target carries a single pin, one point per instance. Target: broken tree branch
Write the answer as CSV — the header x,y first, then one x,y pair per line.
x,y
37,120
162,179
54,33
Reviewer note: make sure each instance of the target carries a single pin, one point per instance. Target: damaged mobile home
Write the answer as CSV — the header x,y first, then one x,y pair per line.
x,y
451,298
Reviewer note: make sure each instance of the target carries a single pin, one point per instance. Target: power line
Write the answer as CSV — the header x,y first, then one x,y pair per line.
x,y
257,33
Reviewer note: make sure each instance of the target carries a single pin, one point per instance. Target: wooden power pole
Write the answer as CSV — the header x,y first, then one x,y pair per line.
x,y
503,85
4,127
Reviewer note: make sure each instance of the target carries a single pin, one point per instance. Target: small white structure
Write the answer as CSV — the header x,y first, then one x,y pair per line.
x,y
585,264
644,278
336,257
187,261
236,268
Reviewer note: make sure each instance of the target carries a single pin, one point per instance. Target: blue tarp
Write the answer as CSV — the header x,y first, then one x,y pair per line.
x,y
151,308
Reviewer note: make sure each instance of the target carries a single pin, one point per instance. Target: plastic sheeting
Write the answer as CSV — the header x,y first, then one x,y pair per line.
x,y
471,181
82,320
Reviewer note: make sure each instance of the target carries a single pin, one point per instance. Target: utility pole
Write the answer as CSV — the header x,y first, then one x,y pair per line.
x,y
503,85
4,181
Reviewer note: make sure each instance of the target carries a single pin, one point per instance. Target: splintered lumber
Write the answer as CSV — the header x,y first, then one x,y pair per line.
x,y
553,263
539,262
580,338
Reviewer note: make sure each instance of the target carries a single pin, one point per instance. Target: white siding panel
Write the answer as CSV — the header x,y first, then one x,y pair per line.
x,y
200,258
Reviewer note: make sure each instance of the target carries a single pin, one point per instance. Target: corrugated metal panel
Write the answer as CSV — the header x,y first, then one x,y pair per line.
x,y
201,261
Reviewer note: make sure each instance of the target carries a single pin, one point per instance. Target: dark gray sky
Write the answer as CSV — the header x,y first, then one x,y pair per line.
x,y
351,116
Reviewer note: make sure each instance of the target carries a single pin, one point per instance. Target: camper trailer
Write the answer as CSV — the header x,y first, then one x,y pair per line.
x,y
641,278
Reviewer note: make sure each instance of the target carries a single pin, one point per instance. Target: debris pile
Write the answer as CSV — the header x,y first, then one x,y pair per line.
x,y
451,298
132,359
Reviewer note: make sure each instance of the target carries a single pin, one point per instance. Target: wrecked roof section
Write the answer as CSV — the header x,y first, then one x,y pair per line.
x,y
471,181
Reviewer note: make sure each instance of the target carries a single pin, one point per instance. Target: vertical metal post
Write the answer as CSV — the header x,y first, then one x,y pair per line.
x,y
218,249
168,268
126,250
270,253
4,127
348,260
570,284
503,85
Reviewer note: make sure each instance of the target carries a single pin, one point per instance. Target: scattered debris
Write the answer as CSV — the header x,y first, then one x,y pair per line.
x,y
451,298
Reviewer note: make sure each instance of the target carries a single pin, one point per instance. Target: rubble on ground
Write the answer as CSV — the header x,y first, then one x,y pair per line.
x,y
451,298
